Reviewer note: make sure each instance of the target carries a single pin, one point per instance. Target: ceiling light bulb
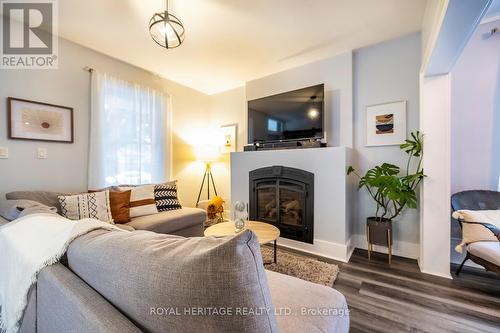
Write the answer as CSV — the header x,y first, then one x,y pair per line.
x,y
313,113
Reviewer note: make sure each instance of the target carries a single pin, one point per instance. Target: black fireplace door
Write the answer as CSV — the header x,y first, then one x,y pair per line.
x,y
287,203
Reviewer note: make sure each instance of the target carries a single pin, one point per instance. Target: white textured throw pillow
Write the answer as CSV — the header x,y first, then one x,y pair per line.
x,y
475,231
142,200
88,205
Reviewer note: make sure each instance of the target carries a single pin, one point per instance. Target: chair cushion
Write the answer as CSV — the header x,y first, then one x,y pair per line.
x,y
298,295
165,283
169,221
489,251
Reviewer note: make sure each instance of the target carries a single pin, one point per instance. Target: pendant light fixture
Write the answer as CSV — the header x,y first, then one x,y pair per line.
x,y
166,29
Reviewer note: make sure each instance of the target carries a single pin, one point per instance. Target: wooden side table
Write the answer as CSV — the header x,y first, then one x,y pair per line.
x,y
265,232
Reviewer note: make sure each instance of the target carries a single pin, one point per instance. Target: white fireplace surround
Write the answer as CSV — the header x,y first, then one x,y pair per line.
x,y
332,193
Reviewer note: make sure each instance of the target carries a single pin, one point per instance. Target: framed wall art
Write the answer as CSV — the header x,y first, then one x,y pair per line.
x,y
229,135
30,120
386,124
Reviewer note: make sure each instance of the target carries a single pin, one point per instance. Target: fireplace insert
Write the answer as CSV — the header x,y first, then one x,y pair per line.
x,y
284,197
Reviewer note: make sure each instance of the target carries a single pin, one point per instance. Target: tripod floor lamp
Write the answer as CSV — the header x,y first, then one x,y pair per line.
x,y
209,156
209,179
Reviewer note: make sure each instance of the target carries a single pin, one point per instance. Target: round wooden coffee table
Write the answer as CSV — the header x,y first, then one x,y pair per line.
x,y
265,232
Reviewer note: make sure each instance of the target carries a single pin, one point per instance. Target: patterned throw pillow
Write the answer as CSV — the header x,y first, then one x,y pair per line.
x,y
89,205
142,200
166,197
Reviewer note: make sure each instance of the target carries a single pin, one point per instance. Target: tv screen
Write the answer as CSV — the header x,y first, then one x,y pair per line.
x,y
294,115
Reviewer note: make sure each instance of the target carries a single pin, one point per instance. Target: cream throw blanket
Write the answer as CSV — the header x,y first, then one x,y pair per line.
x,y
27,245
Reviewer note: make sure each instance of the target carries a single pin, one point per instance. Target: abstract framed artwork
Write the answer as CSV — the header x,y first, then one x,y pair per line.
x,y
386,124
229,135
30,120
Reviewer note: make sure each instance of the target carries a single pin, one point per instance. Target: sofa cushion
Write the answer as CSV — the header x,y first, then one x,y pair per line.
x,y
142,200
124,227
13,209
87,205
305,303
38,209
166,197
169,221
9,210
45,198
120,206
166,283
489,251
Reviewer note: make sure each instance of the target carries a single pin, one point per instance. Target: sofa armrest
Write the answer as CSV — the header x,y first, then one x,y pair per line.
x,y
67,304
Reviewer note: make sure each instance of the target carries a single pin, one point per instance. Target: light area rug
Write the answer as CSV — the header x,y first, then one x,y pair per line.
x,y
302,267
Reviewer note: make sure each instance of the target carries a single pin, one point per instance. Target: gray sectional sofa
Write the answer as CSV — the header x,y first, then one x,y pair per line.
x,y
187,222
147,282
154,281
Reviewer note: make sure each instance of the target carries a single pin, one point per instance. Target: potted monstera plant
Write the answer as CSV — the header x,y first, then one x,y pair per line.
x,y
392,190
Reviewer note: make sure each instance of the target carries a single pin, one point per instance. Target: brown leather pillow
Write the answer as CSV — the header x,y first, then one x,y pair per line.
x,y
120,205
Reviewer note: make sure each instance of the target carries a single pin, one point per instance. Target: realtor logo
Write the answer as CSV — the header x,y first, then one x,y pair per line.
x,y
29,36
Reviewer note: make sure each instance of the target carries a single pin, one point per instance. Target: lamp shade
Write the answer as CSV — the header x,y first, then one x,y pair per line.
x,y
207,154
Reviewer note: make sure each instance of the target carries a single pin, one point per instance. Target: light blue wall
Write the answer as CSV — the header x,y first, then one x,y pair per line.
x,y
475,113
386,72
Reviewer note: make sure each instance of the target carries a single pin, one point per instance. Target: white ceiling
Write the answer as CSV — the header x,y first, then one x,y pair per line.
x,y
229,42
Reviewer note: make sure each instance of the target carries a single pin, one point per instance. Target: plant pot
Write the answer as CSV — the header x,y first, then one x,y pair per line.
x,y
379,232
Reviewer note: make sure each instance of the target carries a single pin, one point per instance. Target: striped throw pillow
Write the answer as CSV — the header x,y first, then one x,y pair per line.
x,y
166,197
142,200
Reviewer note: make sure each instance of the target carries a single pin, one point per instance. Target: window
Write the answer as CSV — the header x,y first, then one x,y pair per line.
x,y
128,141
273,125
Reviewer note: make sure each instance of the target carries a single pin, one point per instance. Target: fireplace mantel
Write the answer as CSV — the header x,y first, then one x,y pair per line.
x,y
332,209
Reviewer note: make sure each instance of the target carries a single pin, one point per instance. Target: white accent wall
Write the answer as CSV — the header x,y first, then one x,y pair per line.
x,y
332,206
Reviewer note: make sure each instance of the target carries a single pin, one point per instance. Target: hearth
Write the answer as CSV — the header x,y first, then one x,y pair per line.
x,y
284,197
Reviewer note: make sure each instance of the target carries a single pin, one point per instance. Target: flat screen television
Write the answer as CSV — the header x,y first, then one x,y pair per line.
x,y
290,116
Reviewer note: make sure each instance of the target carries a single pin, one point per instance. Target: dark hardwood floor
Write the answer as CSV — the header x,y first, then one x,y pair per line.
x,y
399,298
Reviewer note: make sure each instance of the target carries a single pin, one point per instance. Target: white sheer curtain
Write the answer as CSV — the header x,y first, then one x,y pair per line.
x,y
129,133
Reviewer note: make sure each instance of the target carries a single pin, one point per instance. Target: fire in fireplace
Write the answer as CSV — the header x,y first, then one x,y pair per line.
x,y
284,197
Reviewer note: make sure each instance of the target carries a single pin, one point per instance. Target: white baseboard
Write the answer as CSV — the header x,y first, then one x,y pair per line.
x,y
446,276
402,249
320,248
343,252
